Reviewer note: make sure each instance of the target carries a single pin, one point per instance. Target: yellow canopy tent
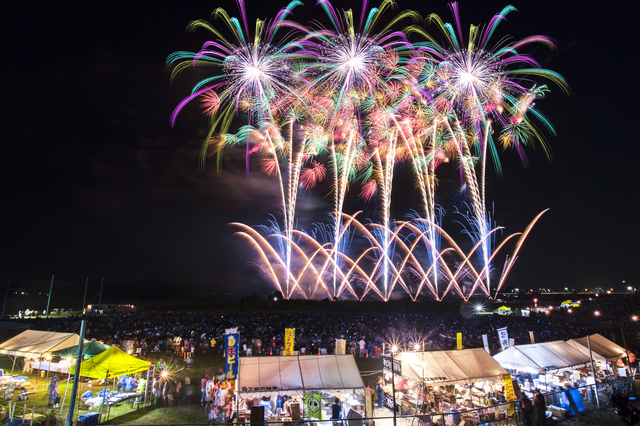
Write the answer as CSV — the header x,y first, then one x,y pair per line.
x,y
111,363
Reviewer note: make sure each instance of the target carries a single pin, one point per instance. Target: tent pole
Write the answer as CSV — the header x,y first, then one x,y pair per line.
x,y
64,398
593,372
76,375
14,364
104,396
626,350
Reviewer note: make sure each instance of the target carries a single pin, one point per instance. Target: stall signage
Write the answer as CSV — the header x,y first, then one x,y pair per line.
x,y
387,401
434,379
231,346
289,337
509,393
314,404
258,388
386,364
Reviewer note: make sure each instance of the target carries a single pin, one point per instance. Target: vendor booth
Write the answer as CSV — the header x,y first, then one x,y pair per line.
x,y
461,383
546,366
37,348
35,344
295,387
109,364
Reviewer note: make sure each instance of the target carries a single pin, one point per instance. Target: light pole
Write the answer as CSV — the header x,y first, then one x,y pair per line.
x,y
49,298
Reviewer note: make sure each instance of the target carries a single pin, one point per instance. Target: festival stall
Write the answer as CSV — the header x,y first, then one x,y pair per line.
x,y
436,382
37,348
546,366
295,387
109,364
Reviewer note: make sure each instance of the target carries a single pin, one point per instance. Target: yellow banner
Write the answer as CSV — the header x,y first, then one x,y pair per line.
x,y
459,339
289,337
509,393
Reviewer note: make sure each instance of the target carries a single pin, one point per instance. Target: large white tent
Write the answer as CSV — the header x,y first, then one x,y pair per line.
x,y
602,346
541,356
289,374
585,350
33,343
450,367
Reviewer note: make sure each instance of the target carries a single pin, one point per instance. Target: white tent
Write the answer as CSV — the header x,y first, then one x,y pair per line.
x,y
288,374
33,343
451,367
585,350
602,346
541,356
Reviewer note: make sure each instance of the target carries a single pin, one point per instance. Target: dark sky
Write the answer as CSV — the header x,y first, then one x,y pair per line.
x,y
95,182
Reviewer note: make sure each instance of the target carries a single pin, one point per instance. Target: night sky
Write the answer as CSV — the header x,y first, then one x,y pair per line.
x,y
95,182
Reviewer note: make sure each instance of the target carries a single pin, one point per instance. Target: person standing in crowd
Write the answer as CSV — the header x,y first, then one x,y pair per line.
x,y
209,393
539,409
213,345
527,409
362,345
203,387
336,410
380,391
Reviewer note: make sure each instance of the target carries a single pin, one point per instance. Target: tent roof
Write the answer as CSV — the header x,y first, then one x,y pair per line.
x,y
603,346
89,350
585,350
459,366
36,343
111,363
541,356
298,373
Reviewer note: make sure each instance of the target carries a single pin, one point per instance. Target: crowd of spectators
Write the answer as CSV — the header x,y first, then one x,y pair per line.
x,y
190,333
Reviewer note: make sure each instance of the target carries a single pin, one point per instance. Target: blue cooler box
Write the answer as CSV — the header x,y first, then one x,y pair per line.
x,y
89,419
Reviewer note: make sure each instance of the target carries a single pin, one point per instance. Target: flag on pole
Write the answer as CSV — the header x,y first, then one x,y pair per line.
x,y
231,347
503,336
485,342
289,338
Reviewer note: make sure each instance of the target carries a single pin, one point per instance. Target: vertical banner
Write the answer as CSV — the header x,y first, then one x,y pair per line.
x,y
509,393
231,349
533,340
341,347
313,402
503,336
368,406
459,340
289,338
485,342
